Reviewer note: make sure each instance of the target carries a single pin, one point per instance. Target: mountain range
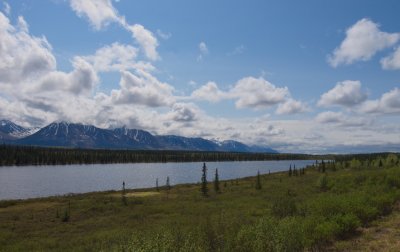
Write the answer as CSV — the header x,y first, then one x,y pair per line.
x,y
75,135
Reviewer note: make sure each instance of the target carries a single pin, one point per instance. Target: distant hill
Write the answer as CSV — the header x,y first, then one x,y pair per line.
x,y
64,134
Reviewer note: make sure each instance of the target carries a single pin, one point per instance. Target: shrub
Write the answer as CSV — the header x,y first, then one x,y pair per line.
x,y
347,224
165,240
283,207
324,232
393,179
383,203
270,234
66,216
259,237
290,235
322,183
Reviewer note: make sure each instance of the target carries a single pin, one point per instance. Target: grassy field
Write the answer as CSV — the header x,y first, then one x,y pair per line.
x,y
315,211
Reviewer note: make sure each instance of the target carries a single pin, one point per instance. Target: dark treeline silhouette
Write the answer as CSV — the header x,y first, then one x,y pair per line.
x,y
362,156
31,155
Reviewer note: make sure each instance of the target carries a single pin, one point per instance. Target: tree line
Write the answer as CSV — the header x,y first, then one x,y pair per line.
x,y
31,155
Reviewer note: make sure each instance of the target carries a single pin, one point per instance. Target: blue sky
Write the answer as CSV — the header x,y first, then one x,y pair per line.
x,y
307,76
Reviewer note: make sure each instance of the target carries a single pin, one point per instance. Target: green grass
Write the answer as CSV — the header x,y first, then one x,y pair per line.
x,y
287,214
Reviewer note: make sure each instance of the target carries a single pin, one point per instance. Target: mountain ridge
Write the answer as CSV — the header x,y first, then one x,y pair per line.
x,y
78,135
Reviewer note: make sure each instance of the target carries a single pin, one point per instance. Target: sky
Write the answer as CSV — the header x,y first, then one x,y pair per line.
x,y
299,76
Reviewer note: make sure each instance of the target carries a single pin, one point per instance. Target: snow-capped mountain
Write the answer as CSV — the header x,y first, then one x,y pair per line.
x,y
235,146
172,142
64,134
139,139
10,130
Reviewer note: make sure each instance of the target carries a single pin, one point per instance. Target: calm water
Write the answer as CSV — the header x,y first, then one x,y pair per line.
x,y
40,181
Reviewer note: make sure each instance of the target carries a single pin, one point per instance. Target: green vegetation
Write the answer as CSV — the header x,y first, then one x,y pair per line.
x,y
216,182
381,235
258,181
31,155
311,211
204,187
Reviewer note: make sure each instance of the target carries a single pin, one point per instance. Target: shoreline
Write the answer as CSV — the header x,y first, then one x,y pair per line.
x,y
141,189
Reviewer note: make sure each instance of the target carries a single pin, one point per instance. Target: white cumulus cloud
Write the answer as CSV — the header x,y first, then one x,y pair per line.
x,y
392,61
101,12
22,56
257,93
363,40
346,93
209,92
250,92
389,103
184,112
143,89
81,80
146,40
291,106
114,57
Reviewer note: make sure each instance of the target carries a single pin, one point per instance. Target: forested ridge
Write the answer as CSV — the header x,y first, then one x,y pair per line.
x,y
32,155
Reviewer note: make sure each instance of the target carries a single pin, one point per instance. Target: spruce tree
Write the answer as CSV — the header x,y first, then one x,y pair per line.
x,y
216,182
124,199
290,170
167,184
204,188
157,185
258,182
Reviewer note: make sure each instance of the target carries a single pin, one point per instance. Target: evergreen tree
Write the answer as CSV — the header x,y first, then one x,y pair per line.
x,y
380,163
124,199
258,182
204,188
216,182
157,185
290,170
167,184
334,166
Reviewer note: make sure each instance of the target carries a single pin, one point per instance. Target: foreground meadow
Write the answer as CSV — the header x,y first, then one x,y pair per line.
x,y
328,203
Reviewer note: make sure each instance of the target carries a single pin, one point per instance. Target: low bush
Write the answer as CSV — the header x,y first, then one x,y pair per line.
x,y
283,207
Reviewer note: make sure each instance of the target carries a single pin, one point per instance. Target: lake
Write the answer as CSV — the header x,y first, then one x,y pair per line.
x,y
22,182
